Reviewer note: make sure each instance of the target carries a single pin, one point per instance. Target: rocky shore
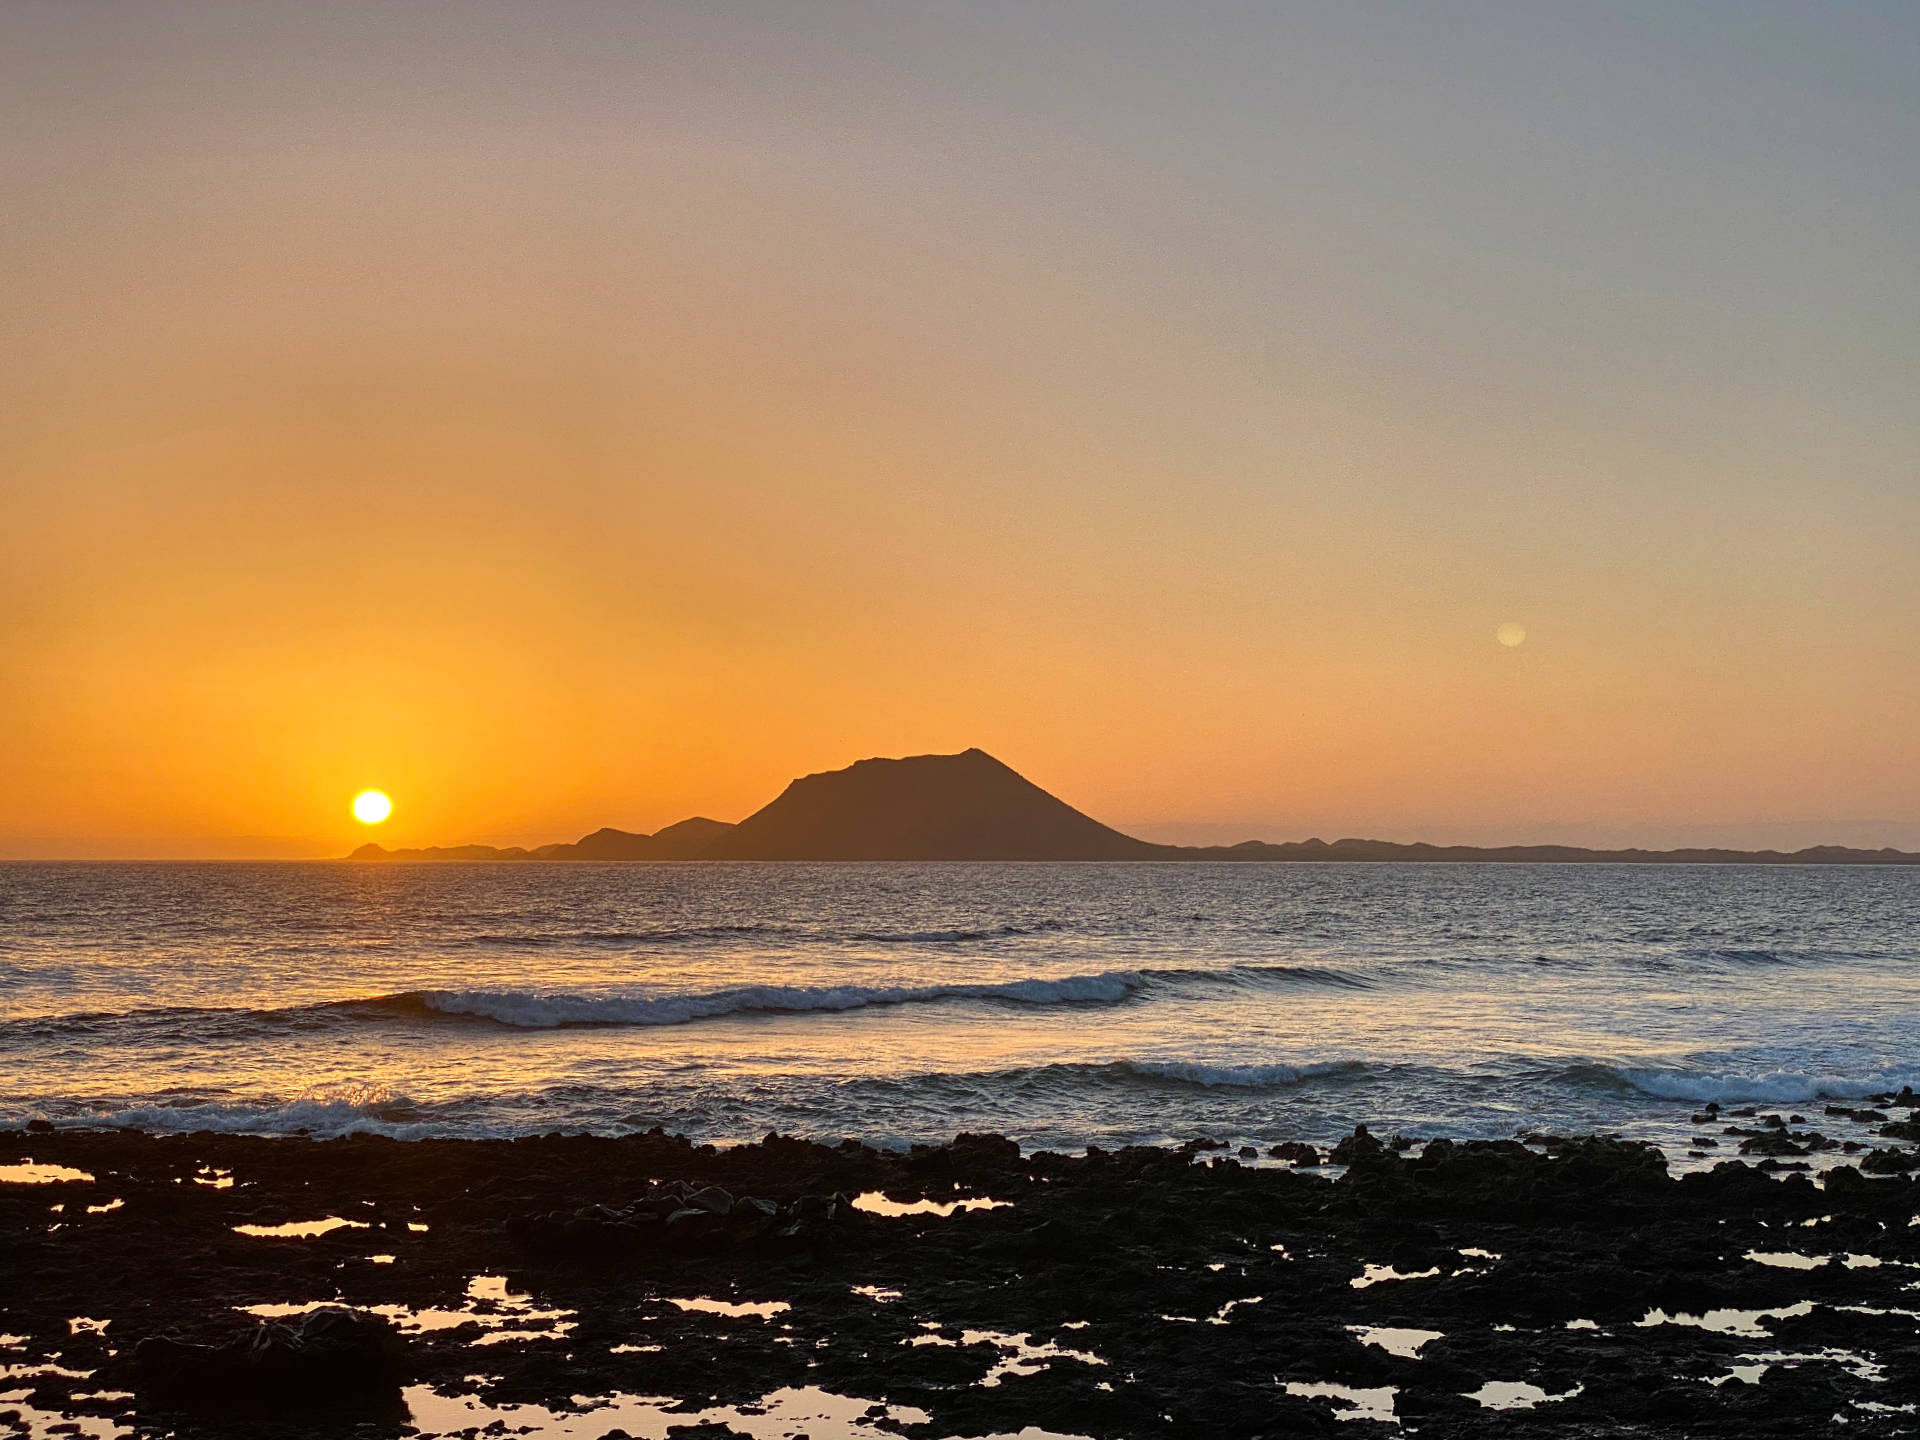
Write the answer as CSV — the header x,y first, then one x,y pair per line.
x,y
567,1285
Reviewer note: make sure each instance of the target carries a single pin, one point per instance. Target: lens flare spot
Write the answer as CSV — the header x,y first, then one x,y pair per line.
x,y
370,807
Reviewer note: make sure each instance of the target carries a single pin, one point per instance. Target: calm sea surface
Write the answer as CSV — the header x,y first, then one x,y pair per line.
x,y
1060,1004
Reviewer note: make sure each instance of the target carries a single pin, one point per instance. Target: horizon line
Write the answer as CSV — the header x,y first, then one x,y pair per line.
x,y
321,850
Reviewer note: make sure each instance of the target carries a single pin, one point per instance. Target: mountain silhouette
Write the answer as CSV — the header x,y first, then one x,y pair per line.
x,y
688,840
927,807
971,807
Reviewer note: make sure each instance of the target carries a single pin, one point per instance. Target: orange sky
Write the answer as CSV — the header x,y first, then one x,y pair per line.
x,y
602,418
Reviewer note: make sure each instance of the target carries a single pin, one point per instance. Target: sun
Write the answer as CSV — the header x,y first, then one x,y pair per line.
x,y
1510,634
370,807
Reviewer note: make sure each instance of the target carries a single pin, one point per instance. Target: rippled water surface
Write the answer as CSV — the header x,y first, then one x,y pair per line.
x,y
1061,1004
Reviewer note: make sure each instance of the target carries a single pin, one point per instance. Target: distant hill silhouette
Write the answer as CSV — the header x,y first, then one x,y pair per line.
x,y
1351,850
688,840
971,807
929,807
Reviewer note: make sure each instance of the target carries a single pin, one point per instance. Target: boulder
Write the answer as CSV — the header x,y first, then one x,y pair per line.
x,y
713,1200
1359,1148
1297,1152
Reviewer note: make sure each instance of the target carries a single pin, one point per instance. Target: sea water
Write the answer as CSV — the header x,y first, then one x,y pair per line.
x,y
1060,1004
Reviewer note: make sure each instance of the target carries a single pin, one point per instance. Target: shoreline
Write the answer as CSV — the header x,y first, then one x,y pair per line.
x,y
1840,1124
1141,1292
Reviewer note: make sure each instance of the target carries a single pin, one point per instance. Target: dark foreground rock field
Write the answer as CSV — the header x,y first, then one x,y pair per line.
x,y
647,1286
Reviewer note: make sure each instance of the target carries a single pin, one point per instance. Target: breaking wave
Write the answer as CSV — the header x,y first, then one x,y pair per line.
x,y
1778,1087
547,1010
323,1113
1243,1077
534,1011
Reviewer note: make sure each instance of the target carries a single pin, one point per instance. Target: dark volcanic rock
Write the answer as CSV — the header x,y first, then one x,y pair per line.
x,y
333,1357
1161,1293
1297,1152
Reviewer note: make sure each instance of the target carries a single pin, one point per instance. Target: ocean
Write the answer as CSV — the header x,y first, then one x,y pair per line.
x,y
1060,1004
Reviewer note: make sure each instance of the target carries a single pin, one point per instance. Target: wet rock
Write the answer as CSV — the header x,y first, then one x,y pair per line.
x,y
966,1156
689,1223
712,1199
1681,1405
332,1357
1864,1117
814,1207
1095,1251
1359,1148
1296,1152
1890,1162
1424,1402
984,1154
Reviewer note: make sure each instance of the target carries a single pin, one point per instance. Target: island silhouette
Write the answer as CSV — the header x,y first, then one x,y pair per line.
x,y
971,806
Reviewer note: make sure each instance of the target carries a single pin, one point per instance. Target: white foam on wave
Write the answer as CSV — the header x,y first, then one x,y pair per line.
x,y
1248,1077
539,1010
344,1110
1780,1087
534,1011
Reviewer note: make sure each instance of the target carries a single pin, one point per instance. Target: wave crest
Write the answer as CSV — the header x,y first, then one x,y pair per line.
x,y
1777,1087
534,1011
325,1112
546,1010
1242,1077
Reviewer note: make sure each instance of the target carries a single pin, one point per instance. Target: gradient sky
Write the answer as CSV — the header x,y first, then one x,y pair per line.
x,y
562,415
